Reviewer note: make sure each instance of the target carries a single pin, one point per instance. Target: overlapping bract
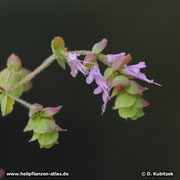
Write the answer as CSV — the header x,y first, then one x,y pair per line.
x,y
43,125
9,77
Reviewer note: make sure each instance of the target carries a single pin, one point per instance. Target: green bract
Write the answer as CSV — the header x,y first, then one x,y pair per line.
x,y
129,101
9,77
58,48
44,128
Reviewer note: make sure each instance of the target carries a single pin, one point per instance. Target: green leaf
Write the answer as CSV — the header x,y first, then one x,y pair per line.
x,y
127,112
14,63
58,48
45,125
98,47
139,102
124,100
115,92
61,61
139,114
48,138
10,78
134,88
6,104
108,72
120,80
33,123
34,137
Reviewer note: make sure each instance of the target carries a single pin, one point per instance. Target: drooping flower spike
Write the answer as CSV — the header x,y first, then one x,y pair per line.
x,y
118,81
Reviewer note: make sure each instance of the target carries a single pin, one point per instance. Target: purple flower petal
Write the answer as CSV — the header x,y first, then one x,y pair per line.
x,y
75,64
113,57
134,71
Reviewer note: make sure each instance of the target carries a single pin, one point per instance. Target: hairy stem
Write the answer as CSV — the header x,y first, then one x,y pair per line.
x,y
21,101
99,57
34,73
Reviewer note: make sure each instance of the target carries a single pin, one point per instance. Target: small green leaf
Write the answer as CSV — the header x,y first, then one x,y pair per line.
x,y
98,47
120,80
61,61
127,112
14,63
34,137
33,123
139,114
58,48
45,125
124,100
48,138
115,92
6,104
58,44
134,88
139,102
108,72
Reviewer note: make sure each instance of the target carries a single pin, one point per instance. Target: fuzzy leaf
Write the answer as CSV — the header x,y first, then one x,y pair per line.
x,y
124,100
98,47
6,104
127,112
48,138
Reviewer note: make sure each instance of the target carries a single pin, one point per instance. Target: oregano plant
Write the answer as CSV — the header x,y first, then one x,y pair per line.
x,y
118,81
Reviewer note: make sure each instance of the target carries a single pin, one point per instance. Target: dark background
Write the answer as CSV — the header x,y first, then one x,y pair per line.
x,y
95,147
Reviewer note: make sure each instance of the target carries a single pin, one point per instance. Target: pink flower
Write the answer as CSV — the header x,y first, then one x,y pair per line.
x,y
134,71
75,64
114,57
96,75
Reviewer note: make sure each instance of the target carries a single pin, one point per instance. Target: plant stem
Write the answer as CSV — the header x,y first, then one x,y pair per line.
x,y
99,57
21,101
50,60
30,76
